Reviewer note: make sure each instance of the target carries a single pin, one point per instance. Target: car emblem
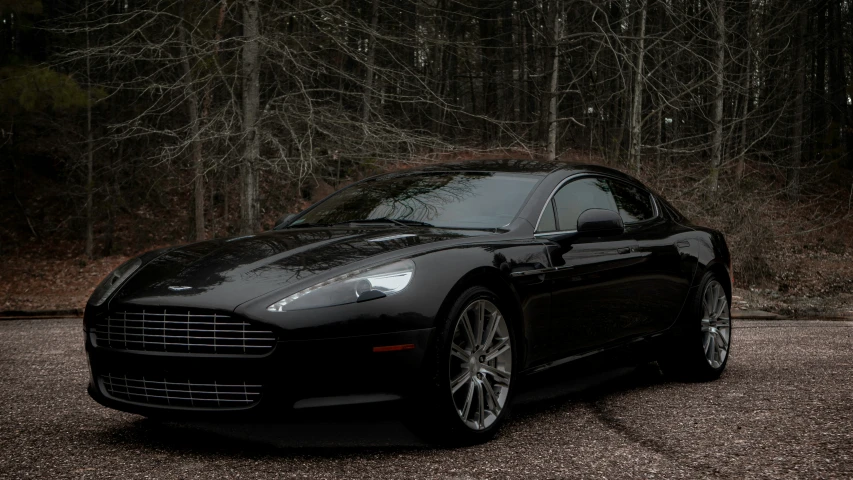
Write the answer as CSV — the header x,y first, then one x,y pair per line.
x,y
179,288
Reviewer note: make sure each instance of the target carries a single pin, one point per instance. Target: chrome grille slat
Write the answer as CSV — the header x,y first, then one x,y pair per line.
x,y
198,395
189,332
181,315
189,337
172,330
192,322
227,395
168,344
146,388
193,330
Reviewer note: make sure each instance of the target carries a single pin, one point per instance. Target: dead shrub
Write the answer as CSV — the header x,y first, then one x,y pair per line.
x,y
750,236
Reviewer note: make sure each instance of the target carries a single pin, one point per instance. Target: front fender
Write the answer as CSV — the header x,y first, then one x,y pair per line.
x,y
438,276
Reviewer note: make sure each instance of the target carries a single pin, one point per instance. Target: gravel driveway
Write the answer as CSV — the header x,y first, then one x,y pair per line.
x,y
784,408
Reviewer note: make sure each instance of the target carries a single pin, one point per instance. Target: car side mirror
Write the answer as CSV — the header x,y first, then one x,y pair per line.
x,y
284,219
599,222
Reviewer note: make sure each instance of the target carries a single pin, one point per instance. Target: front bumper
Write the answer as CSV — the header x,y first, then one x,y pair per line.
x,y
297,376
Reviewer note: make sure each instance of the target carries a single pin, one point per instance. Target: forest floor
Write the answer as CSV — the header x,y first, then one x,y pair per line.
x,y
35,283
790,258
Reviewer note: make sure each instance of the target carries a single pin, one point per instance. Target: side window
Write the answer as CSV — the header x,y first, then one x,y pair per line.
x,y
548,222
576,197
635,204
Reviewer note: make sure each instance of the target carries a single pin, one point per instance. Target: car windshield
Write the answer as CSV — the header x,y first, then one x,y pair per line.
x,y
442,199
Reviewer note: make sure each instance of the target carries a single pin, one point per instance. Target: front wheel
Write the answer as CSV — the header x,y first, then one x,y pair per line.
x,y
700,345
470,387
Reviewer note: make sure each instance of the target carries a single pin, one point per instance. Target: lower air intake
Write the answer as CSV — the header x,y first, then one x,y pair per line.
x,y
170,392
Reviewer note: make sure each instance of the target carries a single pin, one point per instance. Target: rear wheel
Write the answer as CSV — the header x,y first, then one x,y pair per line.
x,y
700,345
469,394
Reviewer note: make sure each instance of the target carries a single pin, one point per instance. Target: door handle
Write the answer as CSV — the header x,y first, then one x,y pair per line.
x,y
682,244
623,250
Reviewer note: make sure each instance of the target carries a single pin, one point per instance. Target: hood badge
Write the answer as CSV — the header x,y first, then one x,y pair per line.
x,y
179,288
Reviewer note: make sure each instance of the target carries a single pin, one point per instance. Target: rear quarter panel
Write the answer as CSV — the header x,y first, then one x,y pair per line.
x,y
714,255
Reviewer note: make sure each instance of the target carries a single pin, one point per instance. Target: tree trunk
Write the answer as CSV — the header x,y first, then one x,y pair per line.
x,y
533,106
637,94
800,92
211,199
195,141
510,75
719,75
217,38
819,87
371,60
226,200
208,99
553,75
659,136
251,105
453,67
90,219
615,105
849,118
487,30
747,98
837,82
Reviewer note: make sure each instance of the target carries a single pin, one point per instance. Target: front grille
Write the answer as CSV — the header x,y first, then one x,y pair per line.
x,y
186,394
182,332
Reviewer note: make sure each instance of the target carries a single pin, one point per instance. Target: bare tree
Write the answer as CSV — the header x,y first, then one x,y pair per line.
x,y
371,61
195,140
90,179
637,92
719,80
313,92
552,74
251,107
799,100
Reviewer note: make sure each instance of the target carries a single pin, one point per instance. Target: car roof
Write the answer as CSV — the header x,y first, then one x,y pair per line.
x,y
534,167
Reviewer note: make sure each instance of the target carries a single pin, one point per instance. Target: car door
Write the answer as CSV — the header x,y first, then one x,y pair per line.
x,y
594,280
662,246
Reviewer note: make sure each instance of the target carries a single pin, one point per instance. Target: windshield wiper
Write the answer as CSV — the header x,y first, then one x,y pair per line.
x,y
403,222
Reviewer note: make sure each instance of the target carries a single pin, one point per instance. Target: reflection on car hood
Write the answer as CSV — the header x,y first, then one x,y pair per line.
x,y
222,274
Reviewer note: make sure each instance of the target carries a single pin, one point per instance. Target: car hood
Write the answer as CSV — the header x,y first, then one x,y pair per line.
x,y
222,274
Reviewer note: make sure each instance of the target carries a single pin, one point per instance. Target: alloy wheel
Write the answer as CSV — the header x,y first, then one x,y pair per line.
x,y
716,324
480,364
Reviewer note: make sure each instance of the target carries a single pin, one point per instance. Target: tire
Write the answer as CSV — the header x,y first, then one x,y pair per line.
x,y
700,345
458,373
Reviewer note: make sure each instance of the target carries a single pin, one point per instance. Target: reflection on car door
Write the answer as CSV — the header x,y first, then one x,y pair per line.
x,y
594,296
595,279
666,247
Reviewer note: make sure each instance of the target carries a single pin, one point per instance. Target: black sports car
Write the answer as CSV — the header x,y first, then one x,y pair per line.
x,y
441,287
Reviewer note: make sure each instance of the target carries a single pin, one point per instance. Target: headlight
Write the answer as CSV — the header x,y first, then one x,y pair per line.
x,y
357,286
113,280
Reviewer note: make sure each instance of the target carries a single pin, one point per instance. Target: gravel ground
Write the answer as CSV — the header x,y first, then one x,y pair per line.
x,y
784,408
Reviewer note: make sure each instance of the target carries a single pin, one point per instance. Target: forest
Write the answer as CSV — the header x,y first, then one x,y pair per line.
x,y
126,125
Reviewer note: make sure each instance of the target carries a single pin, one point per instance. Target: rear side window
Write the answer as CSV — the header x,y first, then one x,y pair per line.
x,y
581,195
548,222
674,214
635,204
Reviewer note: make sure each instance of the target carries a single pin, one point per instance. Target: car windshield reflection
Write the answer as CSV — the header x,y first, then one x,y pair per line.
x,y
442,199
